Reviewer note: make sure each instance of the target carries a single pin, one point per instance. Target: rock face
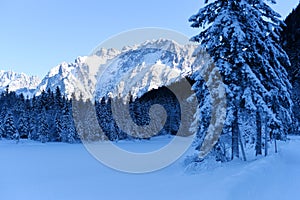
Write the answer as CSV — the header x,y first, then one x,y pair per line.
x,y
79,77
18,82
148,66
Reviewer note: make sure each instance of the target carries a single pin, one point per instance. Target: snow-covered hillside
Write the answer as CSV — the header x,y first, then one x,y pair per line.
x,y
149,66
57,171
79,77
19,82
105,70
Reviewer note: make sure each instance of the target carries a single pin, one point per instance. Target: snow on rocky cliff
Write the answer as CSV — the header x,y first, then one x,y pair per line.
x,y
149,66
79,77
135,69
18,82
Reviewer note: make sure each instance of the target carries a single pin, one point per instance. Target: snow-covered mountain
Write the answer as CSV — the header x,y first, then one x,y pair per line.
x,y
148,66
106,68
79,77
151,64
18,82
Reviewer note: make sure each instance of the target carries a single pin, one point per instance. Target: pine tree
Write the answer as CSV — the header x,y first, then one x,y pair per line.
x,y
58,99
77,113
68,132
105,118
290,39
44,118
43,128
242,38
33,124
23,126
58,128
291,43
3,114
10,128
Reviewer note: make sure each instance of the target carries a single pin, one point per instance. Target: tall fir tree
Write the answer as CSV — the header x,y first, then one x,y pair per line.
x,y
10,129
290,39
43,128
23,126
68,131
3,113
33,118
241,36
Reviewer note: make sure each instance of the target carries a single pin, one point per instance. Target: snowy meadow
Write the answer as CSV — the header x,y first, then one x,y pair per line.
x,y
210,116
58,171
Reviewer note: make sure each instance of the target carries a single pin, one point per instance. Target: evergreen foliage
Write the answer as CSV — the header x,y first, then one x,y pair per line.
x,y
290,40
139,110
45,118
242,38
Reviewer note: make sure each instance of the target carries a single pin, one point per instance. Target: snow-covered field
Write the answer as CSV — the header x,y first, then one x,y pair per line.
x,y
54,171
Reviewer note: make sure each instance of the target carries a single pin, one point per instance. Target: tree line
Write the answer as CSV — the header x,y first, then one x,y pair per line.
x,y
51,117
250,47
44,118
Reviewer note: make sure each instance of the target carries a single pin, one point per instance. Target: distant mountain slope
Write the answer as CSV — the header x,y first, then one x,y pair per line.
x,y
79,77
19,82
149,66
150,60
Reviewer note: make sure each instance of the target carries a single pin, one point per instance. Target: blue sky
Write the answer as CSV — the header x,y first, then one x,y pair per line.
x,y
36,35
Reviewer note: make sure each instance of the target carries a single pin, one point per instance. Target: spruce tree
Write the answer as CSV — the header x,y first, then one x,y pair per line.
x,y
241,36
23,126
3,114
43,128
67,132
33,118
290,39
9,127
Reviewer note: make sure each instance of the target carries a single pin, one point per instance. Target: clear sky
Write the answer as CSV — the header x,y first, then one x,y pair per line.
x,y
36,35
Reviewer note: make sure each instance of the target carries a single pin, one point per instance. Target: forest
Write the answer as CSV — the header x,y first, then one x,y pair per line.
x,y
260,107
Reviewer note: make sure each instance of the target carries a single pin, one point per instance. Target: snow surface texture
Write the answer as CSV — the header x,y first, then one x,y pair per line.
x,y
56,171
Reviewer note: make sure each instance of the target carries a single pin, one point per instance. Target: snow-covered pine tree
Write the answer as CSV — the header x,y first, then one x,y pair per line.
x,y
290,39
23,126
58,127
50,100
43,128
10,128
58,99
33,112
241,37
68,132
106,121
21,115
77,113
3,113
72,128
54,115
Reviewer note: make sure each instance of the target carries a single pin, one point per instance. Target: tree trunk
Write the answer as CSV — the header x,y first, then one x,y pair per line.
x,y
235,136
276,150
266,142
258,134
242,147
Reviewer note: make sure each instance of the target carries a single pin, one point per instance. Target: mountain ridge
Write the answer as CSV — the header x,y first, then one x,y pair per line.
x,y
81,76
18,82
